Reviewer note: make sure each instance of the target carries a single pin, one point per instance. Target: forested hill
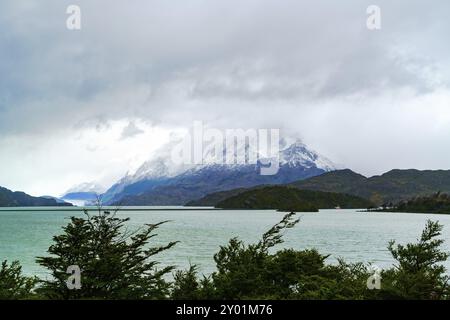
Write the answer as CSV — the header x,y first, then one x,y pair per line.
x,y
390,187
286,198
9,198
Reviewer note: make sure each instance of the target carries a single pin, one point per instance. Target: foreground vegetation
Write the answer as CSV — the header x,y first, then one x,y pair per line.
x,y
117,263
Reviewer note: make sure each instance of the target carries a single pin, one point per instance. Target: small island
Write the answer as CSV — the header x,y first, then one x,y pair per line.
x,y
435,203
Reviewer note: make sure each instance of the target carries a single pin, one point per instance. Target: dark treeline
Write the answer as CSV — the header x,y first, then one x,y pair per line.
x,y
288,198
435,203
117,263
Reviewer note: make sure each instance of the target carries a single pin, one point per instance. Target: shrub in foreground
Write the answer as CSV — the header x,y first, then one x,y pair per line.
x,y
418,273
13,284
252,272
115,263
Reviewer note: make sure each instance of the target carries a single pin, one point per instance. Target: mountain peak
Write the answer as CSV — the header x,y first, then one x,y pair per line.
x,y
164,182
298,143
91,187
298,154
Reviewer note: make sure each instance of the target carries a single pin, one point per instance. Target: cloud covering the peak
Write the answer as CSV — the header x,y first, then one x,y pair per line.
x,y
89,105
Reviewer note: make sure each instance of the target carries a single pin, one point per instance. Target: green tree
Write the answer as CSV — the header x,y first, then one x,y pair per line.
x,y
419,273
13,284
115,263
187,285
253,272
242,269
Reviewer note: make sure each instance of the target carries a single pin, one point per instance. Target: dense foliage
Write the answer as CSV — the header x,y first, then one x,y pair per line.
x,y
251,272
114,261
117,263
418,274
14,285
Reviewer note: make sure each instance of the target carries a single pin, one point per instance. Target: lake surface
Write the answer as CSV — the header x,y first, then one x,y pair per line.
x,y
353,235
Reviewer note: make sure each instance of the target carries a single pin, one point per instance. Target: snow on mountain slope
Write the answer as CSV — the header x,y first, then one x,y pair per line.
x,y
83,194
297,161
86,187
298,154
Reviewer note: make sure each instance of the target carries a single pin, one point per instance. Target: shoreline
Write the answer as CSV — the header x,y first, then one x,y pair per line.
x,y
59,209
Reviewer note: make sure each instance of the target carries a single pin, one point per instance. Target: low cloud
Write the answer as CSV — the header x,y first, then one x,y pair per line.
x,y
130,131
311,69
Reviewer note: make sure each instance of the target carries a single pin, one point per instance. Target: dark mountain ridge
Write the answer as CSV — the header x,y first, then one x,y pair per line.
x,y
9,198
391,187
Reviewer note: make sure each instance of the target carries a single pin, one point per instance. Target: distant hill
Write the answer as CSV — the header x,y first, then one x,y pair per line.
x,y
83,194
340,181
58,200
390,187
9,198
80,198
288,198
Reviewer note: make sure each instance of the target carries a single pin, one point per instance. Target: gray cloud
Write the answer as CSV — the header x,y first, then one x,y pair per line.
x,y
310,68
131,130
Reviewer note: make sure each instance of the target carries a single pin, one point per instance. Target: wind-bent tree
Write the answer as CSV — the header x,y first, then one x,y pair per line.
x,y
115,263
253,272
419,273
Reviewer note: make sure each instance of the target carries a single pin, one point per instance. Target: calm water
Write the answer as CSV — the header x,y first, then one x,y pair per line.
x,y
352,235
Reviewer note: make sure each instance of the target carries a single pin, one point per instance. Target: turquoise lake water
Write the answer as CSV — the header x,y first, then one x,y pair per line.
x,y
353,235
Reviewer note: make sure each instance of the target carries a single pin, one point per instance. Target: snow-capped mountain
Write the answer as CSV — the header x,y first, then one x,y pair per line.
x,y
161,182
87,187
83,194
298,154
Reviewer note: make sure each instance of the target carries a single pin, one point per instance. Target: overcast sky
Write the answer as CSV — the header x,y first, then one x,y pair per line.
x,y
92,104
